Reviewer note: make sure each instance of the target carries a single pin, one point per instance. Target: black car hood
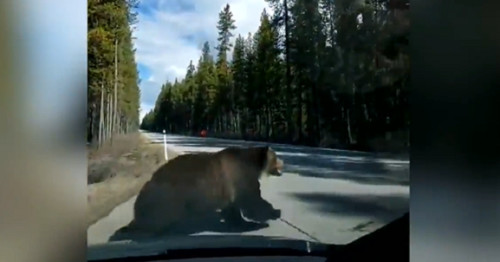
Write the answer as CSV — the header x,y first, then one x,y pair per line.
x,y
122,249
389,243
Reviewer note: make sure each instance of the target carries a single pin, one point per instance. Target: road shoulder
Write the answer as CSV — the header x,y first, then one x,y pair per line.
x,y
131,170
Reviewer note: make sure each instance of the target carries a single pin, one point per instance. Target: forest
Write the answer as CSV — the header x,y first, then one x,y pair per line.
x,y
329,73
113,93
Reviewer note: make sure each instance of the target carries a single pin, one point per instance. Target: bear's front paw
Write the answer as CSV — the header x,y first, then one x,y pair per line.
x,y
275,214
263,224
271,214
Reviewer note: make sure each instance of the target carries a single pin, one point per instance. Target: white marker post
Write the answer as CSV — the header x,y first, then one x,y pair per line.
x,y
165,144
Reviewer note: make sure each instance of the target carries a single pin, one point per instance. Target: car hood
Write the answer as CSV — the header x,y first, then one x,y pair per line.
x,y
121,249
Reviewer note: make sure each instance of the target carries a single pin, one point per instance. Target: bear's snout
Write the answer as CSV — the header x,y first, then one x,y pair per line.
x,y
278,167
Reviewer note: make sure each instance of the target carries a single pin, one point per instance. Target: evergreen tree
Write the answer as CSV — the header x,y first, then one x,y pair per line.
x,y
281,23
224,105
267,74
239,82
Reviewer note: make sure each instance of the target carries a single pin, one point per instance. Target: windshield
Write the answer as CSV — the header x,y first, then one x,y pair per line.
x,y
298,108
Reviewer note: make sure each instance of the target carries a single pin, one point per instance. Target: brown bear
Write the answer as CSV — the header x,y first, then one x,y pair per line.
x,y
194,185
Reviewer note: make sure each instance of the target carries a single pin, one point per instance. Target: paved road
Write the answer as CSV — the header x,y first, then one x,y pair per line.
x,y
332,196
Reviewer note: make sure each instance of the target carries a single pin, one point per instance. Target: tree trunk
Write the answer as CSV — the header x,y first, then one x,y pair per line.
x,y
257,126
224,123
106,126
299,115
101,117
236,121
243,121
119,125
269,123
349,133
115,110
230,121
309,112
317,115
365,109
219,125
215,124
111,118
109,113
289,98
90,125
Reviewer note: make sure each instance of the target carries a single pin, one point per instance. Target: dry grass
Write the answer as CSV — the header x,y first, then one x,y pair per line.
x,y
105,162
119,171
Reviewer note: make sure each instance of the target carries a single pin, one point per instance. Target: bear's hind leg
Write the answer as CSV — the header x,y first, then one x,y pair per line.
x,y
232,215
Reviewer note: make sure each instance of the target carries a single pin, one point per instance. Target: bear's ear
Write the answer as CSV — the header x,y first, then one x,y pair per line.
x,y
267,149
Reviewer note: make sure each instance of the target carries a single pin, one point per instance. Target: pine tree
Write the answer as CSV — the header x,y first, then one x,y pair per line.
x,y
281,22
268,73
250,89
224,105
239,82
306,37
206,83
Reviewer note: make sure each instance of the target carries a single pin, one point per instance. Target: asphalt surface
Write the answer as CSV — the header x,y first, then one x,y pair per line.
x,y
329,196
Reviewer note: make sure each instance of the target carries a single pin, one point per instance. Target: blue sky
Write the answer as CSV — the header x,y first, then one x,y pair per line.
x,y
170,33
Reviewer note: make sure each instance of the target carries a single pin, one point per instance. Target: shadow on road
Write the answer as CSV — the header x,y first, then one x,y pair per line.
x,y
359,167
382,209
363,170
189,226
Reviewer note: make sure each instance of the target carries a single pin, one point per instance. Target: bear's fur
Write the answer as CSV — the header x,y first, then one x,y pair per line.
x,y
194,185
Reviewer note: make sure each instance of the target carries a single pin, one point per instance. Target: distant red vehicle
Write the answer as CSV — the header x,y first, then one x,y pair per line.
x,y
203,133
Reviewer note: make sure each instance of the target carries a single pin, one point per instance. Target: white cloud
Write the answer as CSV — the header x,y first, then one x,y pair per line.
x,y
167,37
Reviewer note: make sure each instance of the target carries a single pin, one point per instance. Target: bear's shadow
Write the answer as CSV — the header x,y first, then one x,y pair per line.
x,y
190,226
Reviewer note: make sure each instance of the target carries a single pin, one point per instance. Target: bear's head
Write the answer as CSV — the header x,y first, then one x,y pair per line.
x,y
273,165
